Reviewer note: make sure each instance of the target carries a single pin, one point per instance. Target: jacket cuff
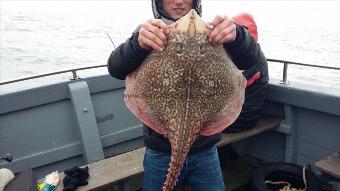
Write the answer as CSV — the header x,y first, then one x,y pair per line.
x,y
136,47
237,43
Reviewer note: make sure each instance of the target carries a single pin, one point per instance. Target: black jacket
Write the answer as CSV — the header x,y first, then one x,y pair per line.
x,y
128,56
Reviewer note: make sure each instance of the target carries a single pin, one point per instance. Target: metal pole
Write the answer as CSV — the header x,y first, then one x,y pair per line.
x,y
285,73
74,75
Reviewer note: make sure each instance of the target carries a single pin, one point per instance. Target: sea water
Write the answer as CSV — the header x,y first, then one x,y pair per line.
x,y
47,36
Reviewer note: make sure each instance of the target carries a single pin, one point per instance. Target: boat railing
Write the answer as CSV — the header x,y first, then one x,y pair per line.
x,y
75,76
285,68
73,71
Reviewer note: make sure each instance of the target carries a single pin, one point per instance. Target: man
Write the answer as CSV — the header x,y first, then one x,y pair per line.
x,y
255,94
201,170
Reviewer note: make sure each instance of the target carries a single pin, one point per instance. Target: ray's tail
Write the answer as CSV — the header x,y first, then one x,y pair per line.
x,y
178,155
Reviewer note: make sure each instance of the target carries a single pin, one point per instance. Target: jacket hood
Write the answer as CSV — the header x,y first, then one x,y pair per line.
x,y
159,13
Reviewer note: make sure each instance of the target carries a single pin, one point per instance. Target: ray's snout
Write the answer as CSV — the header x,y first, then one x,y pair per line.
x,y
191,23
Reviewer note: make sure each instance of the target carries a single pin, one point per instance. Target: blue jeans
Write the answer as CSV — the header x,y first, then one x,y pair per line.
x,y
201,170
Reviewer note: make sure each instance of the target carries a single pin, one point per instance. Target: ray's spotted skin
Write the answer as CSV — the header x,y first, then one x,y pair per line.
x,y
190,88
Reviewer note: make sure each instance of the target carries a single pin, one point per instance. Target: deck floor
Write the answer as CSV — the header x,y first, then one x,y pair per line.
x,y
238,173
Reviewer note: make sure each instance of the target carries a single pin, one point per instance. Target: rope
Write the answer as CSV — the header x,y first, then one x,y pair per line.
x,y
288,185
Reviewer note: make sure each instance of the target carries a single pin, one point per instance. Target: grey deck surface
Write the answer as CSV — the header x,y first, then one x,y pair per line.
x,y
265,123
112,170
330,165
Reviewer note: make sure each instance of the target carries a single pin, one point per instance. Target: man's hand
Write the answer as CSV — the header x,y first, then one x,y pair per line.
x,y
223,30
153,35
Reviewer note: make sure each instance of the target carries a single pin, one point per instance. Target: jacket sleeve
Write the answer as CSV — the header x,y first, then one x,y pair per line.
x,y
244,50
126,58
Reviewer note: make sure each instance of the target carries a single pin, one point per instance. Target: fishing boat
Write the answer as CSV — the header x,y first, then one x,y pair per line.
x,y
84,121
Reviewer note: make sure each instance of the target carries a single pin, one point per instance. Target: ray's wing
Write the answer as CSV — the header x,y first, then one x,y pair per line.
x,y
224,100
229,113
142,91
